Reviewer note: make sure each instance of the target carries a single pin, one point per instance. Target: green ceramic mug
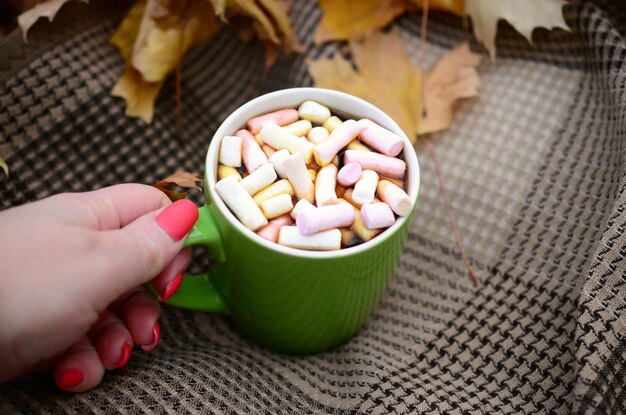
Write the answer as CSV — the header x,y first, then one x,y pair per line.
x,y
290,300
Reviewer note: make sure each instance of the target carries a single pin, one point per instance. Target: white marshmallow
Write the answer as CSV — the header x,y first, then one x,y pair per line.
x,y
377,215
332,123
299,128
395,197
329,240
325,183
310,221
276,206
274,189
240,203
365,189
277,159
301,206
312,111
262,177
230,151
279,138
318,134
299,177
326,151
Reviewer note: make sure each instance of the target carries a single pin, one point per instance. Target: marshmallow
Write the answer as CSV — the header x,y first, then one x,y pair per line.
x,y
279,138
397,182
240,202
225,171
349,174
251,153
277,160
310,221
302,205
326,151
325,186
312,111
332,123
347,195
267,150
262,177
318,134
358,227
277,205
385,165
230,151
280,117
377,215
357,145
300,179
395,197
313,174
365,189
274,189
329,240
299,128
270,231
380,138
346,236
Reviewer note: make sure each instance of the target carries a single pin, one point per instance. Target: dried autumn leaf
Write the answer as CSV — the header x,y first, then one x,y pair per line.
x,y
4,166
47,9
524,16
138,94
347,19
179,185
384,76
453,77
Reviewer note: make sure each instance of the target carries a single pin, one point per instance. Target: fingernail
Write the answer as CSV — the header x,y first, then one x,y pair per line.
x,y
70,378
178,218
171,288
125,356
157,335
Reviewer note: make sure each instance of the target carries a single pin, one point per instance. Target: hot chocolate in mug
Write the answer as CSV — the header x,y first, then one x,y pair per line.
x,y
291,300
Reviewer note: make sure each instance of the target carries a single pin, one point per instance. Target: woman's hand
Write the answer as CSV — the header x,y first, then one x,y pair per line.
x,y
71,273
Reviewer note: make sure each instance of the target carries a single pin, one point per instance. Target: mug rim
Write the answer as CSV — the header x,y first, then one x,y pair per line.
x,y
314,94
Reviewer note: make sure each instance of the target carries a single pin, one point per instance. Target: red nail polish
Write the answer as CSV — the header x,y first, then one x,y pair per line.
x,y
70,378
125,356
178,218
171,288
157,335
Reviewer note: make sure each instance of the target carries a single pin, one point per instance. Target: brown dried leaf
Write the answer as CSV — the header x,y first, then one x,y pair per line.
x,y
47,9
4,166
138,94
180,184
453,77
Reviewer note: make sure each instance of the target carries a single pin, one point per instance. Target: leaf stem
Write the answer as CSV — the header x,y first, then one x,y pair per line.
x,y
422,58
446,202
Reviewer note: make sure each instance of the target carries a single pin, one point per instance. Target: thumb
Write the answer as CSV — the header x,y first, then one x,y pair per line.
x,y
140,250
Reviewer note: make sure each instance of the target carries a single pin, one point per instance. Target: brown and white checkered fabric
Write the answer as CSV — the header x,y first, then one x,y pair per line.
x,y
536,174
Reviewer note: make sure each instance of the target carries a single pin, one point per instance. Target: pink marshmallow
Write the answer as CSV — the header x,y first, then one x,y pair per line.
x,y
349,174
379,138
271,230
280,117
311,221
377,215
369,160
251,154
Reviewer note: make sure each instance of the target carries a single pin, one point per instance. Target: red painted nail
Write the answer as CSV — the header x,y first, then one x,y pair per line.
x,y
178,218
157,335
70,378
172,287
125,356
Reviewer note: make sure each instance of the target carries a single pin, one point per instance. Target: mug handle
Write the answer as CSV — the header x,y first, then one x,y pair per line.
x,y
198,292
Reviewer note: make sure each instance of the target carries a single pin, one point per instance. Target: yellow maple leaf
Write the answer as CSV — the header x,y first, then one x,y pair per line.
x,y
347,19
386,77
47,9
139,94
524,16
